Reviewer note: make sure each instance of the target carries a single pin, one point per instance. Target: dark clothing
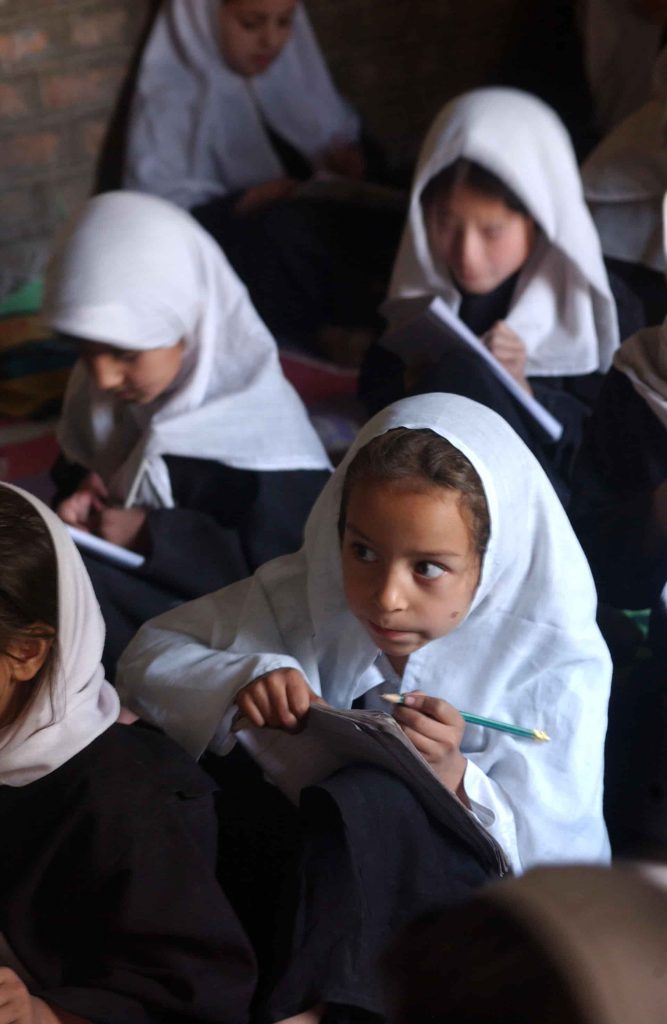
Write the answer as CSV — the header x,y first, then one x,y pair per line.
x,y
622,460
383,379
308,263
359,860
226,523
108,895
639,293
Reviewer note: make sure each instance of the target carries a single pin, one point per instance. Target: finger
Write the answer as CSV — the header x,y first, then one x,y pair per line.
x,y
430,751
299,694
427,727
435,707
280,714
248,703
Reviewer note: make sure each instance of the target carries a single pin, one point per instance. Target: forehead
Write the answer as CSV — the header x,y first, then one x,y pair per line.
x,y
263,8
410,513
463,201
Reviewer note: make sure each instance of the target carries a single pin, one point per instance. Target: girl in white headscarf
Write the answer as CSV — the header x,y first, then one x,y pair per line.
x,y
498,228
109,905
234,107
192,446
414,578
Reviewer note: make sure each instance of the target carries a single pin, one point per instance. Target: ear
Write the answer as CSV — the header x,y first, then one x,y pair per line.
x,y
28,653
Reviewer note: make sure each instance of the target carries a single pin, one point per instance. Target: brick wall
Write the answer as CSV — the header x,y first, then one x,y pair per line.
x,y
62,63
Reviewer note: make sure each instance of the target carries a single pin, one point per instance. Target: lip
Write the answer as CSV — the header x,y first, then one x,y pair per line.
x,y
263,60
388,634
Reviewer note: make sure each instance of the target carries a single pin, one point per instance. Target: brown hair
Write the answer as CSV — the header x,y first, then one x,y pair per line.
x,y
28,581
403,454
476,178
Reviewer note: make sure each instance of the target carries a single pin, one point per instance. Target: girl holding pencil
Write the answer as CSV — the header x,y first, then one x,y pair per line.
x,y
438,564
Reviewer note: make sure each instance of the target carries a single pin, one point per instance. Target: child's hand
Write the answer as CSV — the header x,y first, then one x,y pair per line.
x,y
279,699
435,728
265,194
123,526
85,503
506,346
17,1006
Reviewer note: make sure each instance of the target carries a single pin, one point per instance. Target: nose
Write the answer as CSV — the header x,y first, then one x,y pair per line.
x,y
390,595
106,371
269,38
467,251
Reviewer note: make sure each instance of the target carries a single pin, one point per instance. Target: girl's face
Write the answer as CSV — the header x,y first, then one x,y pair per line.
x,y
477,238
18,668
253,32
132,376
410,569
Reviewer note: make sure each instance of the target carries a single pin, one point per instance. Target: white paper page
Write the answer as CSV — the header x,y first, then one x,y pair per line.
x,y
112,552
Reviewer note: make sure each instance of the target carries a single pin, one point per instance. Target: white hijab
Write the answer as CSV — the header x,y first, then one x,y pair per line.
x,y
81,704
562,306
137,272
196,128
528,651
643,357
625,178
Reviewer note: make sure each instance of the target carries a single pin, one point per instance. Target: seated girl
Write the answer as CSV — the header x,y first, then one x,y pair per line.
x,y
109,905
234,108
182,439
499,230
414,579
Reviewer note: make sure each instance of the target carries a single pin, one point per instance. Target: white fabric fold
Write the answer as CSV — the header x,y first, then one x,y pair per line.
x,y
196,127
529,650
562,306
79,705
137,272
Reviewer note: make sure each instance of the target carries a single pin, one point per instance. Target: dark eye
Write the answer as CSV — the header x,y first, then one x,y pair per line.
x,y
429,570
127,356
363,553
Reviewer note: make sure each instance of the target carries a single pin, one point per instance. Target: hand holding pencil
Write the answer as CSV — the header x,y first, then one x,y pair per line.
x,y
435,728
486,723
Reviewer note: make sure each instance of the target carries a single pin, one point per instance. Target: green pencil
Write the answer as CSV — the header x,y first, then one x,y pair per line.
x,y
487,723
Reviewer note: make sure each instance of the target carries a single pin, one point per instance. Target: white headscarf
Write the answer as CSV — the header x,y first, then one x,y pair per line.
x,y
137,272
562,307
80,705
196,128
619,49
643,357
528,651
625,178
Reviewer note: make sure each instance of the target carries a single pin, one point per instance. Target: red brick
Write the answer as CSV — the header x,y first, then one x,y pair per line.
x,y
102,29
80,88
91,135
14,100
21,45
31,149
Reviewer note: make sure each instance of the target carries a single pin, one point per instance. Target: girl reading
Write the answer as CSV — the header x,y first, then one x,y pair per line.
x,y
437,564
109,905
234,110
498,229
182,439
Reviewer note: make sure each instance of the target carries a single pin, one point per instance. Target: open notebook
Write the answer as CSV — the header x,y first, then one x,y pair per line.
x,y
331,739
427,326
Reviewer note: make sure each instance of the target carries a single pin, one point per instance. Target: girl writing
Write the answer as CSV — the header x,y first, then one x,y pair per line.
x,y
498,228
182,438
234,108
109,905
413,578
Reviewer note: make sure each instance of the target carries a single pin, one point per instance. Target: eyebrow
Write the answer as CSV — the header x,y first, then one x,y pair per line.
x,y
425,556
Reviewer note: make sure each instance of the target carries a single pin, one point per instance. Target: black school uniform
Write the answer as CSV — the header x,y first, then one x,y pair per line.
x,y
108,898
226,523
383,379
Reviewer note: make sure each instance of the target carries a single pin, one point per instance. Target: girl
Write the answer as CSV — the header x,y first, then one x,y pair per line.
x,y
109,906
415,579
182,438
498,228
234,107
